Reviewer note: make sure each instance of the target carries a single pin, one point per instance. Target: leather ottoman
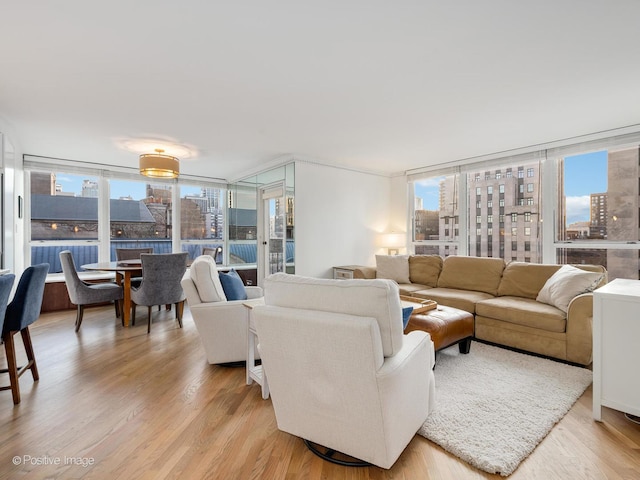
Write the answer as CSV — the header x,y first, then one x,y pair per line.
x,y
446,325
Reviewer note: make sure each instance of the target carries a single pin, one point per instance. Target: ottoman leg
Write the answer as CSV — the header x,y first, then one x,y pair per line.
x,y
465,345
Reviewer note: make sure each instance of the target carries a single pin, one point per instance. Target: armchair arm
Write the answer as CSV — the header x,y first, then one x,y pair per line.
x,y
254,292
406,383
580,329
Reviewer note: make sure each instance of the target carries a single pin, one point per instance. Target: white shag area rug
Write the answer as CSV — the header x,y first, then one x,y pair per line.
x,y
493,406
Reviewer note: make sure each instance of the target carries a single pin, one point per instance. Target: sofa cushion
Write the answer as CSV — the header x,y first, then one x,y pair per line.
x,y
567,283
471,273
408,288
204,274
425,269
521,279
233,286
393,267
463,299
523,311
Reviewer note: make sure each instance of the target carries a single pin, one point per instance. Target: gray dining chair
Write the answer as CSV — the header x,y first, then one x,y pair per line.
x,y
83,293
21,312
132,254
213,252
161,276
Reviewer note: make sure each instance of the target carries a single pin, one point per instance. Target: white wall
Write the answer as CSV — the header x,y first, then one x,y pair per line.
x,y
338,214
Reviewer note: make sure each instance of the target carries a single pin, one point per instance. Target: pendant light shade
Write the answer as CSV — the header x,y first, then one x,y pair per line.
x,y
158,165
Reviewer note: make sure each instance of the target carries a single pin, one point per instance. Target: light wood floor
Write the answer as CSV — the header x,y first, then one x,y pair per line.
x,y
132,405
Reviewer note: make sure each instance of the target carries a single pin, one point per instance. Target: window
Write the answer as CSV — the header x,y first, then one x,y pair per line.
x,y
498,175
489,218
501,218
514,231
527,216
530,172
202,219
83,212
501,188
520,172
521,188
489,231
140,215
477,177
527,231
529,187
501,202
529,200
487,175
514,246
479,219
521,202
478,204
489,190
527,246
64,216
478,231
436,206
508,173
514,217
479,191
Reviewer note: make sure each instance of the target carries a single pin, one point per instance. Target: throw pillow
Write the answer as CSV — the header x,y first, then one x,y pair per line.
x,y
393,267
204,274
406,315
233,286
567,283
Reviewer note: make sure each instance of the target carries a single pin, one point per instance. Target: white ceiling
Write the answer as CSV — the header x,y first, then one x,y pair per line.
x,y
375,85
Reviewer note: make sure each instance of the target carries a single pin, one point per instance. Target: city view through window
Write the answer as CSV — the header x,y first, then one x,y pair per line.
x,y
596,210
64,207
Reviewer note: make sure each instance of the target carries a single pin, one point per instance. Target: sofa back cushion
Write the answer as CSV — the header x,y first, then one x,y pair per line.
x,y
471,273
393,267
425,269
521,279
525,280
379,299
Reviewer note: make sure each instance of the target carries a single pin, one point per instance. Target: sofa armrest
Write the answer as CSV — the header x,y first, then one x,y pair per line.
x,y
580,329
364,272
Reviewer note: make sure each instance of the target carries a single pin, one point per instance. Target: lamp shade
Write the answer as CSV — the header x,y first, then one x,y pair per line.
x,y
158,165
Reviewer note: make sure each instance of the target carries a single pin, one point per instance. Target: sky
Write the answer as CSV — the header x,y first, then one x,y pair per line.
x,y
584,174
118,188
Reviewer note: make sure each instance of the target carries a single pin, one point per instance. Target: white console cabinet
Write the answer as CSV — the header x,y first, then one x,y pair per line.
x,y
616,347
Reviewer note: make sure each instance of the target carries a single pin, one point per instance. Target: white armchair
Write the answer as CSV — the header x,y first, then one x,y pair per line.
x,y
341,373
222,325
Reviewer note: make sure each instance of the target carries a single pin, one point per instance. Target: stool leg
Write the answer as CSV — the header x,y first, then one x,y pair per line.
x,y
12,367
28,346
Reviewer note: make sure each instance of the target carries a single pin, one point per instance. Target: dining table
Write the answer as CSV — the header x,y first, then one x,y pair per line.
x,y
124,270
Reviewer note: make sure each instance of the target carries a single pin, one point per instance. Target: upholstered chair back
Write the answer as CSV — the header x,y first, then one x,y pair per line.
x,y
379,299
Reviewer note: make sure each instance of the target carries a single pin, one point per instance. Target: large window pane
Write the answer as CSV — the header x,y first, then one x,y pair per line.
x,y
140,215
516,216
436,209
63,206
202,220
64,210
600,197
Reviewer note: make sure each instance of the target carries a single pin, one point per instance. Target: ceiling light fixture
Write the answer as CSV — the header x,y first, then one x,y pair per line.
x,y
158,165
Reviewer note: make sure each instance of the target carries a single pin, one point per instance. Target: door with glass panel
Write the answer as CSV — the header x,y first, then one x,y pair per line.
x,y
272,235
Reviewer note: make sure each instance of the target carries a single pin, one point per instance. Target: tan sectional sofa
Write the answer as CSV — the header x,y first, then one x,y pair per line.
x,y
502,297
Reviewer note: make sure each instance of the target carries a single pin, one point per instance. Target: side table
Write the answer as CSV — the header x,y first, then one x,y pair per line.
x,y
344,272
254,372
616,329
